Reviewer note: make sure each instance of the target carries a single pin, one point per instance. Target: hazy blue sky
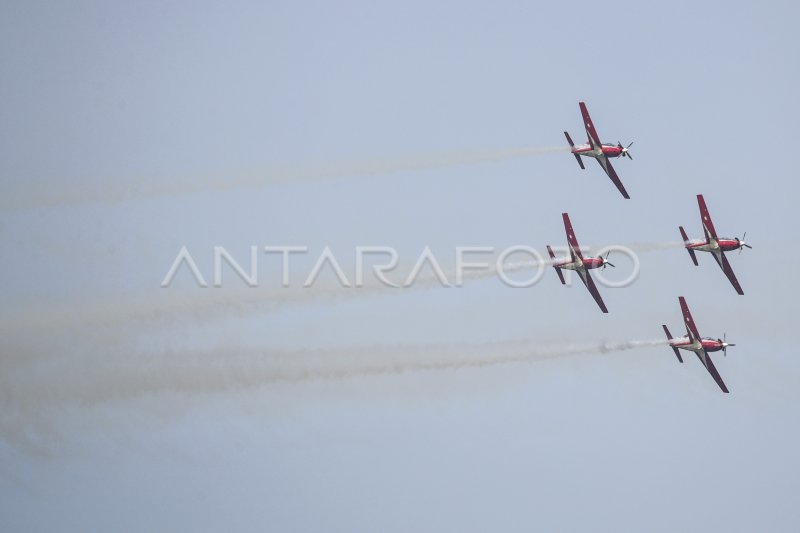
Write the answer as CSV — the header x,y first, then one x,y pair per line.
x,y
126,130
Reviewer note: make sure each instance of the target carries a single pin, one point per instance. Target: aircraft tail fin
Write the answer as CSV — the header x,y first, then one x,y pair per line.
x,y
558,270
685,242
674,349
572,145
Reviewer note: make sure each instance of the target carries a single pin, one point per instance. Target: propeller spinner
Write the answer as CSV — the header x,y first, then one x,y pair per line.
x,y
624,149
725,344
742,244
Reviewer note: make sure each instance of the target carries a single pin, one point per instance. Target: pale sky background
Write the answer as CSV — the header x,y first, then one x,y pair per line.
x,y
126,407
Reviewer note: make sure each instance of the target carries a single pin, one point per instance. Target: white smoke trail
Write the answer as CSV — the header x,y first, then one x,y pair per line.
x,y
652,246
41,397
51,194
98,377
205,303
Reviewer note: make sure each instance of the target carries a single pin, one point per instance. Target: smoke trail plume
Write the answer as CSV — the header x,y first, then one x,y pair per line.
x,y
25,195
40,397
200,304
98,377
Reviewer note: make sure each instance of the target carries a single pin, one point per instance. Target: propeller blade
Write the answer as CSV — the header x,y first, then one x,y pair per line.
x,y
609,264
726,344
742,245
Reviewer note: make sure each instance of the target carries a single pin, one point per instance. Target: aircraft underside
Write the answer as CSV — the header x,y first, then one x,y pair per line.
x,y
708,247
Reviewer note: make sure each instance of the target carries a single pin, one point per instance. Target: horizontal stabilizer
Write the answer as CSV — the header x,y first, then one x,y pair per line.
x,y
558,270
685,242
674,349
560,275
572,145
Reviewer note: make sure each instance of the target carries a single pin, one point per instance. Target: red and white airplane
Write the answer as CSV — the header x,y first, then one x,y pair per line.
x,y
717,246
602,152
693,342
579,264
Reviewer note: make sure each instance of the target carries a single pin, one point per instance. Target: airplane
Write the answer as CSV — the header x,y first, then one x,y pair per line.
x,y
693,342
602,152
717,246
579,264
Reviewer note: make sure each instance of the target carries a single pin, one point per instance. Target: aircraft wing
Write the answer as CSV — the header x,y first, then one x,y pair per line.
x,y
709,364
589,282
574,247
594,139
687,319
705,219
606,164
723,263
